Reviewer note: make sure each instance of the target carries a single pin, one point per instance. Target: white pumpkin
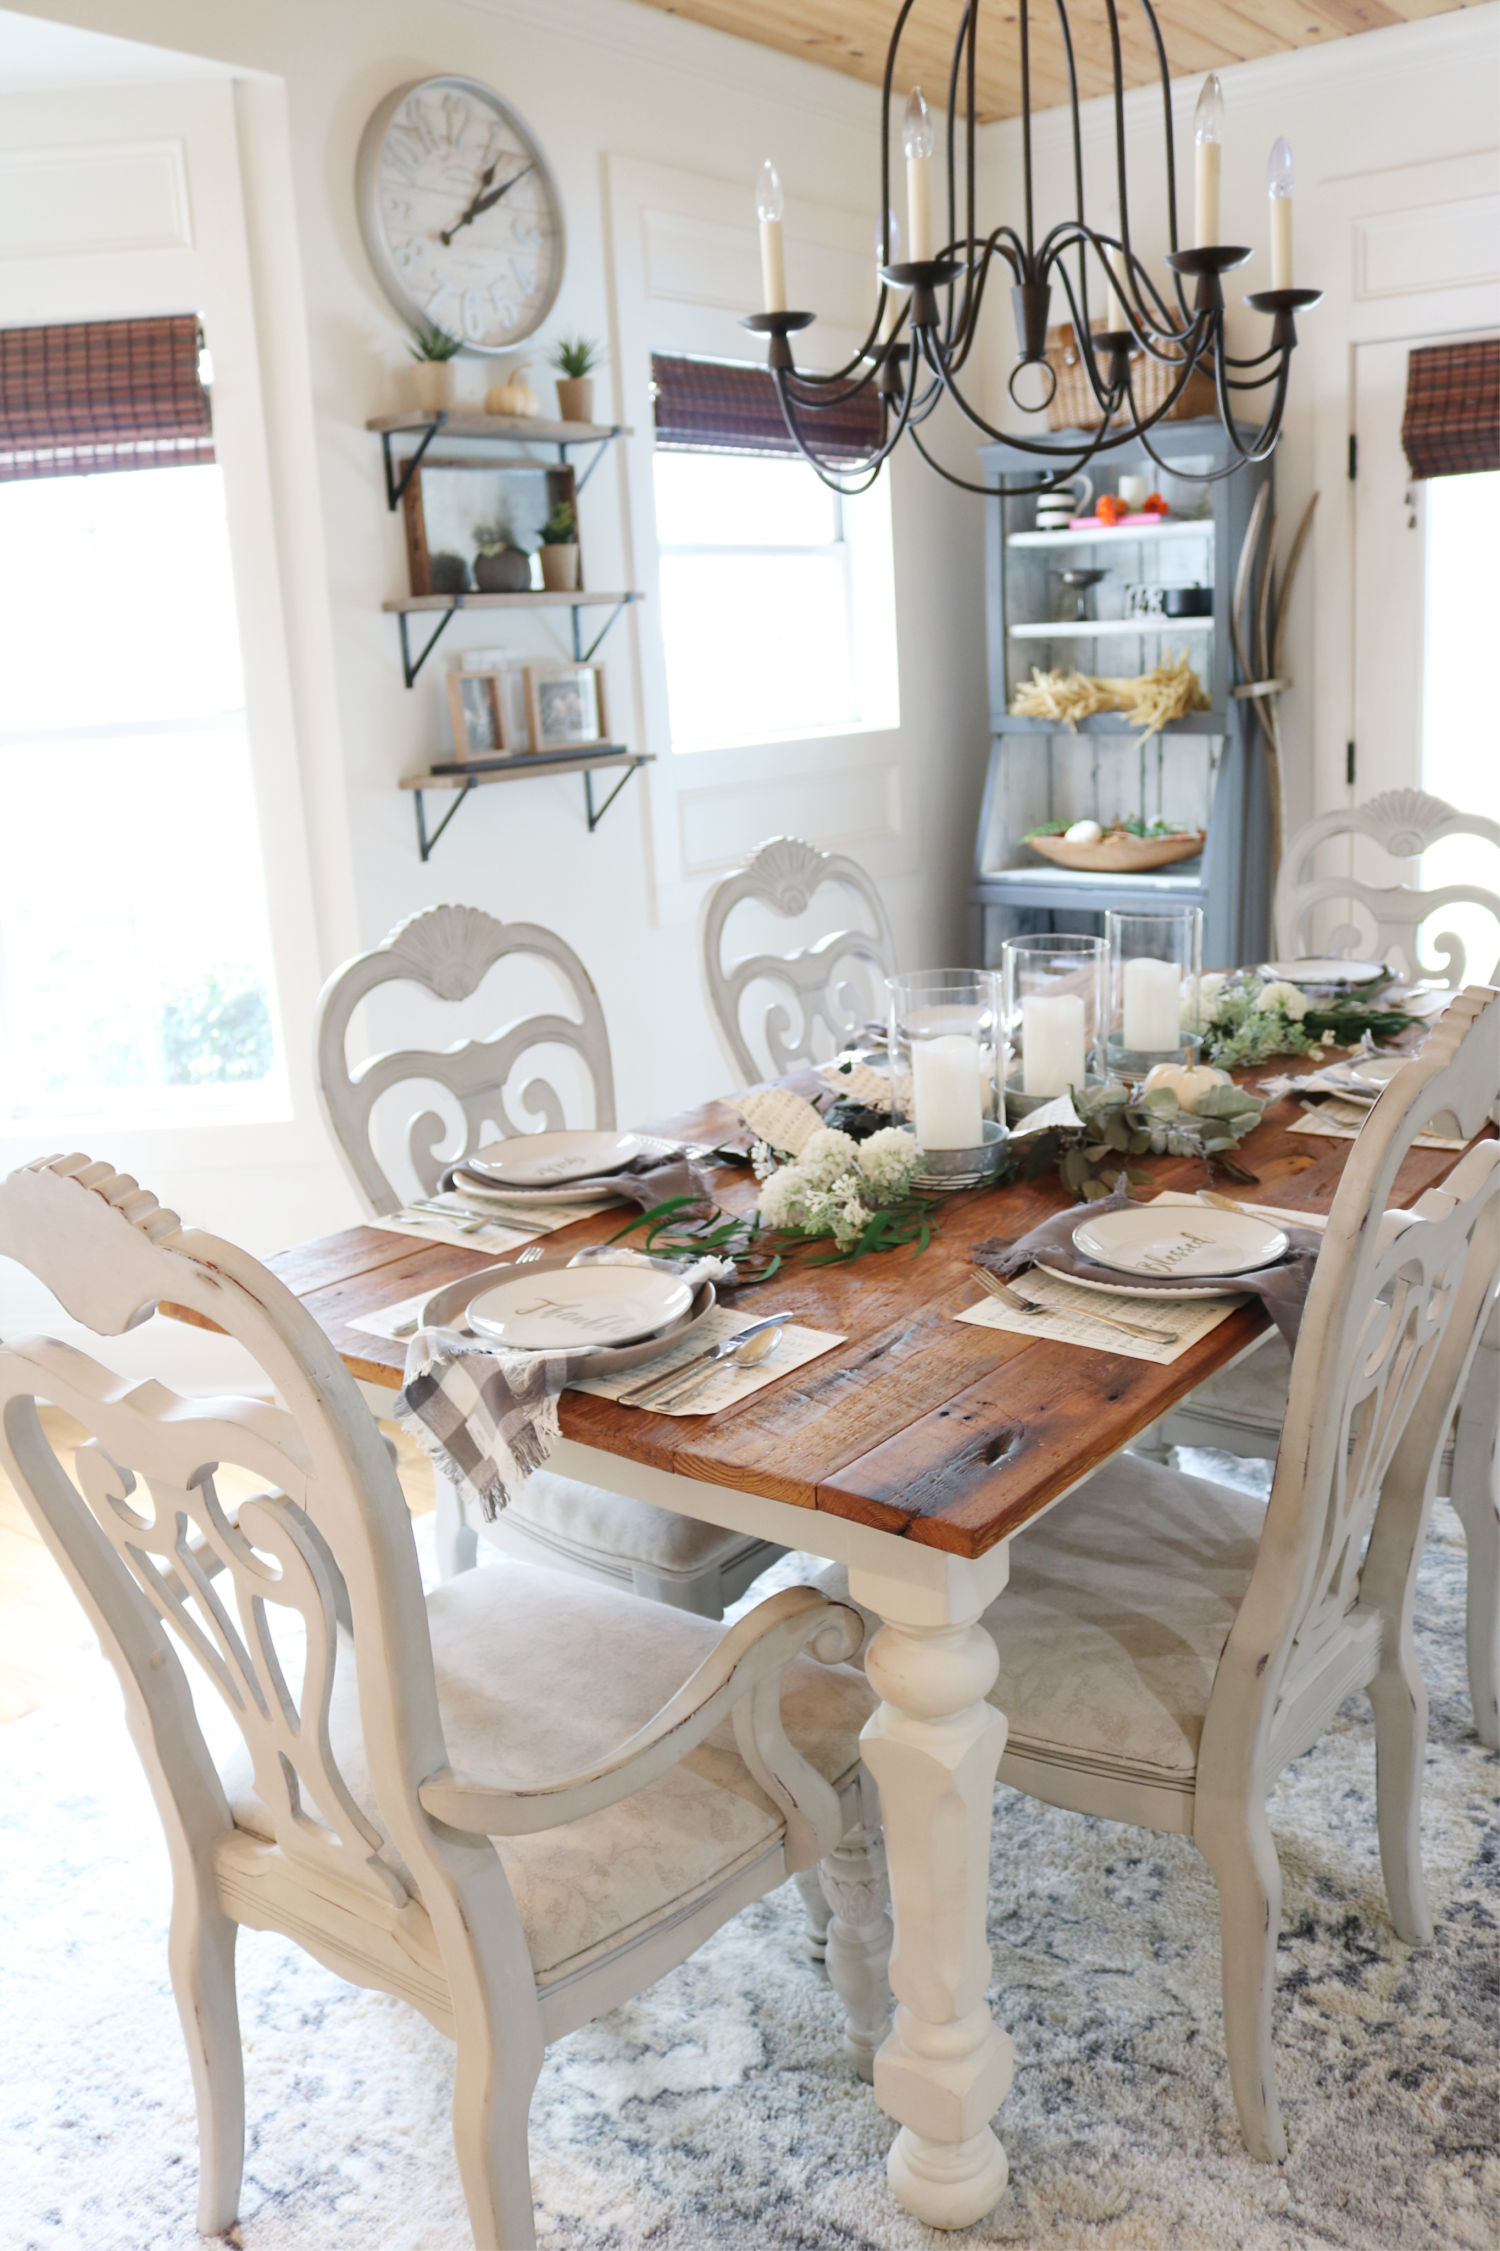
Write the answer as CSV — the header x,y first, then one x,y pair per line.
x,y
513,397
1083,832
1188,1081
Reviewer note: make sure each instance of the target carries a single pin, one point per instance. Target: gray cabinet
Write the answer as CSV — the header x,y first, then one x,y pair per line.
x,y
1205,771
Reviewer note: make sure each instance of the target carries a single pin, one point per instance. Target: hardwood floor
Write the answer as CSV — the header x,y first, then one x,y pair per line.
x,y
43,1632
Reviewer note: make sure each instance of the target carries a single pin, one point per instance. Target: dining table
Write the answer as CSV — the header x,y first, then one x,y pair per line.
x,y
914,1453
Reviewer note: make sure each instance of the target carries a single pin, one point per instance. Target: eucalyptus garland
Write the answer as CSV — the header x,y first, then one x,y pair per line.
x,y
1118,1125
1248,1019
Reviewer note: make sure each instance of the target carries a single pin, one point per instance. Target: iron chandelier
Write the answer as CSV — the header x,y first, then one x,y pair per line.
x,y
936,293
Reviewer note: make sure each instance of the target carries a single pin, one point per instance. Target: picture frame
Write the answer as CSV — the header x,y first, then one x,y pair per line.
x,y
447,496
477,713
566,704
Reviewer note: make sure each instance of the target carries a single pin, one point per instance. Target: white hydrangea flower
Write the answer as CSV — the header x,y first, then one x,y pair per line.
x,y
783,1198
1278,994
827,1156
1210,986
886,1159
762,1159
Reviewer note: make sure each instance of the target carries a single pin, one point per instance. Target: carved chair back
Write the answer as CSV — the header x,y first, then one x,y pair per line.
x,y
829,988
168,1570
1384,921
1397,1306
448,951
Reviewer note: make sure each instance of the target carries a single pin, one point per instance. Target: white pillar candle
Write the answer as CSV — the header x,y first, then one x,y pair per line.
x,y
1208,135
769,204
1153,1006
946,1092
1281,178
1052,1058
918,139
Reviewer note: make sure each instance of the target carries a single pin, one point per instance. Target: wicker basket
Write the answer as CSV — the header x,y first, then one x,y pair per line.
x,y
1120,855
1074,407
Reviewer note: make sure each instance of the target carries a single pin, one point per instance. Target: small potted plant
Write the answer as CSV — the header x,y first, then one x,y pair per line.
x,y
576,357
434,351
500,566
559,550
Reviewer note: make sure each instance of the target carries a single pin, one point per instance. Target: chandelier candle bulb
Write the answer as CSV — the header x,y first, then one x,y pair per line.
x,y
946,1092
1052,1043
1281,178
1208,138
769,205
1152,1012
918,139
1114,310
891,232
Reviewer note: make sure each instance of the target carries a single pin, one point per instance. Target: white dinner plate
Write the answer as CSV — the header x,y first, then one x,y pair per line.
x,y
1324,969
579,1305
527,1199
448,1308
1364,1076
1130,1289
1163,1244
548,1160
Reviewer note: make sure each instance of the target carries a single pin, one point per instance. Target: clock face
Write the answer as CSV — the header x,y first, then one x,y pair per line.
x,y
460,214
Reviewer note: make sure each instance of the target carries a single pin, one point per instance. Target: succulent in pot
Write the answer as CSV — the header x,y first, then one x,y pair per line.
x,y
559,550
434,352
500,566
575,358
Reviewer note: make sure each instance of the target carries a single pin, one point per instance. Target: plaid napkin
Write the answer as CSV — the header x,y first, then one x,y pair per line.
x,y
1283,1287
488,1416
648,1180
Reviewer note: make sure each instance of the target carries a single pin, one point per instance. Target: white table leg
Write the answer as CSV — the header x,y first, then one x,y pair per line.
x,y
933,1747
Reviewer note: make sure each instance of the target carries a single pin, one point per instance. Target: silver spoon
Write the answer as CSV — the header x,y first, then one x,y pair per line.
x,y
747,1354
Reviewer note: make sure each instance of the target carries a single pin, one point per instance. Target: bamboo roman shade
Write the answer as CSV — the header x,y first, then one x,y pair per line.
x,y
1451,427
723,406
102,394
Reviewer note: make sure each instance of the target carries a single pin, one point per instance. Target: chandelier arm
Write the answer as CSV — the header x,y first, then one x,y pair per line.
x,y
959,346
885,128
1193,351
1270,429
1069,232
952,147
1075,454
1149,12
867,470
1026,126
1008,492
1117,72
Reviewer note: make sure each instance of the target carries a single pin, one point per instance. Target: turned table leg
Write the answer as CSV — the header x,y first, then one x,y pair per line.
x,y
933,1747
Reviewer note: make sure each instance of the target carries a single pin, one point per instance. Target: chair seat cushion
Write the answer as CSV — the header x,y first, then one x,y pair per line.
x,y
1119,1605
539,1675
1252,1391
611,1528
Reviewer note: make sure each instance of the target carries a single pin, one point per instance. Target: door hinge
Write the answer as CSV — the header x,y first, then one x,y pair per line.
x,y
1349,764
1353,456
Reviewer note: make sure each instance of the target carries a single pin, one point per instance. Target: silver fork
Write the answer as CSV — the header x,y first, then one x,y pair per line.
x,y
1019,1304
410,1326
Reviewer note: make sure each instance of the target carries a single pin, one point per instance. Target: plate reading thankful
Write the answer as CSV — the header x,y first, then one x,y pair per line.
x,y
578,1305
1168,1244
1324,969
549,1160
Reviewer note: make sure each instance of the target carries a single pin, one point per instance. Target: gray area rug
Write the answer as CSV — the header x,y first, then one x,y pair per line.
x,y
714,2113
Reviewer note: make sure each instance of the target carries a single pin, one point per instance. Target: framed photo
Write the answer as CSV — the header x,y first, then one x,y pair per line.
x,y
474,702
566,702
449,502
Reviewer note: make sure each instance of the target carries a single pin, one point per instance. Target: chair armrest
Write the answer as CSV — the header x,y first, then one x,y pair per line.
x,y
751,1657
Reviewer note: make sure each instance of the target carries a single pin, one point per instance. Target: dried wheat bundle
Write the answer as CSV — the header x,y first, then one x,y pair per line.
x,y
1065,697
1167,691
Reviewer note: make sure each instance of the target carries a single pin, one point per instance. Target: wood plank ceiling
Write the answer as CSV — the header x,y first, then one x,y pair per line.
x,y
1200,35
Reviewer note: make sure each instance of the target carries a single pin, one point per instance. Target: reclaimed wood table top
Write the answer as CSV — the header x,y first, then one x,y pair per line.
x,y
918,1424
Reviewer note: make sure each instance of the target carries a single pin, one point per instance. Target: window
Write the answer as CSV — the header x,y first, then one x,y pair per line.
x,y
1458,760
777,603
135,960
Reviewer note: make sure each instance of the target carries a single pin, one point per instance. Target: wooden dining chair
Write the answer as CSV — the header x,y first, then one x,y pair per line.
x,y
1166,1646
513,1804
446,953
773,1010
1384,922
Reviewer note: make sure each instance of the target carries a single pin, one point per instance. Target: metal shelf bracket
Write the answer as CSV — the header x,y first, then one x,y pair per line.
x,y
395,486
410,669
596,814
581,655
426,841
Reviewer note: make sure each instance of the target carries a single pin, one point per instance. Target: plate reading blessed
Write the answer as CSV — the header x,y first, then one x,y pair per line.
x,y
578,1306
1164,1245
548,1160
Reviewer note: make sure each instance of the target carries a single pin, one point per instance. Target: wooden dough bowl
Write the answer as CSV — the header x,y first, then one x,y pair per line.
x,y
1120,855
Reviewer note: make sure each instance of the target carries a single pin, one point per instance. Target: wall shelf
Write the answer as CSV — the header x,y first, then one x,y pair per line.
x,y
448,605
528,765
1105,628
506,429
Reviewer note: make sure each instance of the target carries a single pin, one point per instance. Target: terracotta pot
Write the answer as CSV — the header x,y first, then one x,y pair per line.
x,y
432,384
507,571
575,398
560,568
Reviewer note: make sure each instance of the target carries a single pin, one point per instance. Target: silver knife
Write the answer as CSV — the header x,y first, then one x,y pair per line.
x,y
720,1351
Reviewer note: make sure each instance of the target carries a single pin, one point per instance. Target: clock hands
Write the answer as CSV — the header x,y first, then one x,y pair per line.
x,y
485,198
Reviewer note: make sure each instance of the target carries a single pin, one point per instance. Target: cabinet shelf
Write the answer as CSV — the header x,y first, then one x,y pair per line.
x,y
1106,628
528,765
1145,535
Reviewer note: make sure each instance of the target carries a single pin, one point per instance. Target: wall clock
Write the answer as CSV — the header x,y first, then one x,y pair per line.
x,y
460,213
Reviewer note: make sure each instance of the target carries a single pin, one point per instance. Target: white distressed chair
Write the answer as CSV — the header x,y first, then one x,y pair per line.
x,y
447,952
811,1000
1385,920
1165,1649
513,1805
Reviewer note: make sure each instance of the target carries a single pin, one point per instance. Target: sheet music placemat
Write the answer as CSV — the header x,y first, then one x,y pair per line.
x,y
727,1385
1072,1318
1341,1121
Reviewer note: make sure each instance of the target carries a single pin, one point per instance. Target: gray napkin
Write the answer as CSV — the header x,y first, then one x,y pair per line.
x,y
647,1180
1282,1287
